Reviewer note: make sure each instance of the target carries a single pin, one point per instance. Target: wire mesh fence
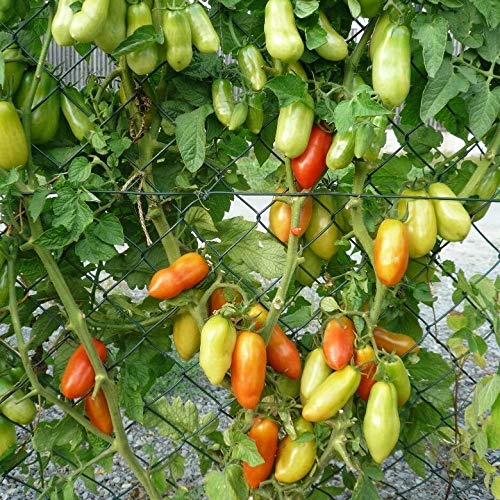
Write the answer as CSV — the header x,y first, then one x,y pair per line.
x,y
168,433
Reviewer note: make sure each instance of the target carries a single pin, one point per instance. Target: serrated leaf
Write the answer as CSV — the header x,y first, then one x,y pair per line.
x,y
441,89
226,485
244,448
191,136
315,37
287,88
141,38
79,170
489,9
201,219
54,238
483,109
364,489
431,31
344,116
304,8
94,250
259,177
71,212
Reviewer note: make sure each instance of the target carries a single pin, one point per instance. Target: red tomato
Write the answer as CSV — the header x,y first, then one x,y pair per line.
x,y
391,252
248,368
365,357
390,342
309,167
265,434
78,377
98,412
282,354
186,272
218,298
338,342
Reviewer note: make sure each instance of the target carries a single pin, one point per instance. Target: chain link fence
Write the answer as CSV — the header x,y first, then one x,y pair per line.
x,y
175,443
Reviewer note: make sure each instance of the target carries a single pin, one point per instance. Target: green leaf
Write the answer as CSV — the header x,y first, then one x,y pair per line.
x,y
495,487
71,212
54,238
304,8
201,219
241,239
431,31
315,37
483,108
344,116
489,9
364,105
244,448
79,170
441,89
45,325
354,7
492,426
486,393
191,136
109,230
364,489
37,202
140,39
226,485
94,250
259,177
287,88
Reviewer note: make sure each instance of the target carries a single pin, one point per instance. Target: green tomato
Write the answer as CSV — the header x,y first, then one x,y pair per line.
x,y
391,69
453,221
142,61
309,269
341,151
203,35
13,144
322,232
46,107
397,374
283,41
21,413
314,374
294,127
90,21
381,423
255,118
115,27
76,113
486,189
13,72
251,65
7,438
420,222
238,116
61,23
335,47
223,100
178,39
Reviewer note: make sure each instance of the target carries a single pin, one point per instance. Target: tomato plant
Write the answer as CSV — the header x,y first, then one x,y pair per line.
x,y
134,203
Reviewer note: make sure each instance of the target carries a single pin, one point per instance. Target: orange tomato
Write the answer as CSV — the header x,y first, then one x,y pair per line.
x,y
98,412
391,252
338,342
248,368
280,219
394,342
265,434
365,357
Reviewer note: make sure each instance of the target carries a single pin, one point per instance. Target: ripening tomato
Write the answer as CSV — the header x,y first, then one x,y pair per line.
x,y
315,372
186,335
310,166
79,376
248,368
185,273
332,394
391,252
280,219
390,342
98,412
221,296
218,337
396,372
364,358
296,458
264,432
282,354
338,342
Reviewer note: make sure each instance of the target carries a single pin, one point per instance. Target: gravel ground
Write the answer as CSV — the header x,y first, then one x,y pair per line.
x,y
120,481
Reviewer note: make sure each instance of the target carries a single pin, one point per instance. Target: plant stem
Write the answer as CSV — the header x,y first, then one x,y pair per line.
x,y
470,188
291,262
351,63
26,110
104,85
79,326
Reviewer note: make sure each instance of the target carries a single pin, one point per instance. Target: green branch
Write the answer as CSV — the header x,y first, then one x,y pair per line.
x,y
291,262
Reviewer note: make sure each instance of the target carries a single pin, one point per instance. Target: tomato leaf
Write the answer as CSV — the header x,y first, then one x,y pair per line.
x,y
304,8
140,39
226,485
287,88
364,489
191,136
484,106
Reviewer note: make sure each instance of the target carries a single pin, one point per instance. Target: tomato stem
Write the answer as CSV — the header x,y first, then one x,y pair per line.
x,y
291,263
